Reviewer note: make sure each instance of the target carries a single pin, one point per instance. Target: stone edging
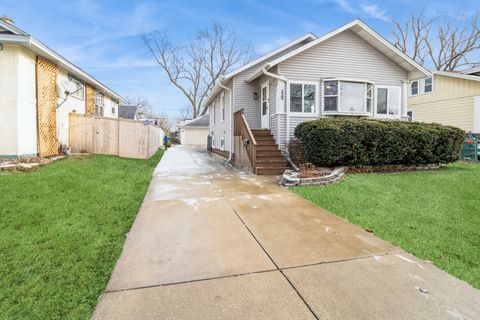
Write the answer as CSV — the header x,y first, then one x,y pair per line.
x,y
28,166
290,178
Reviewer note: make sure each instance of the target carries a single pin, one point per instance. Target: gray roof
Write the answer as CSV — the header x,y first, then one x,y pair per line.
x,y
127,112
201,121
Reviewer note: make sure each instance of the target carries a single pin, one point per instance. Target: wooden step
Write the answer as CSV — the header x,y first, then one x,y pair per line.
x,y
269,171
264,137
262,132
269,153
267,147
266,143
271,164
275,156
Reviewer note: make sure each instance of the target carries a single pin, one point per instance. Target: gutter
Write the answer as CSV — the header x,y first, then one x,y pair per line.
x,y
231,118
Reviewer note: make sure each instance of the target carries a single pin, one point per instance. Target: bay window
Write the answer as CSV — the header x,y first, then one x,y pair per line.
x,y
303,97
388,101
347,96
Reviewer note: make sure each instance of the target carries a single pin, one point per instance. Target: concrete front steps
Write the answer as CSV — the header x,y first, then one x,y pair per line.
x,y
269,160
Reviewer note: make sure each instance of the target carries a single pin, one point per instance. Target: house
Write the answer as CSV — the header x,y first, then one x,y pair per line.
x,y
449,98
349,72
38,90
128,112
195,132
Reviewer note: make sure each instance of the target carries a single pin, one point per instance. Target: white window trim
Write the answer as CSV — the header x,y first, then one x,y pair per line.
x,y
388,116
222,107
418,88
337,112
315,108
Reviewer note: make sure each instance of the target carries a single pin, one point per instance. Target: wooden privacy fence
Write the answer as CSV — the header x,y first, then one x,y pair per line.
x,y
121,137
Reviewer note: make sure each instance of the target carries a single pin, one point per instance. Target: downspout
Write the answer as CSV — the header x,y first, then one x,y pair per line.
x,y
231,118
287,120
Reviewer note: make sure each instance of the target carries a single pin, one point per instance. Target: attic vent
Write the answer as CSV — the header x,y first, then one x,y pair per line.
x,y
7,19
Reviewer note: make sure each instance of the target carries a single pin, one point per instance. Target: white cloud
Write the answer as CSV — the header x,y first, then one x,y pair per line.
x,y
371,10
375,11
345,5
269,46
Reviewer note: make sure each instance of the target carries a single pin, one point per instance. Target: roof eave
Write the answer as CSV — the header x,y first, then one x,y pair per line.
x,y
356,22
39,48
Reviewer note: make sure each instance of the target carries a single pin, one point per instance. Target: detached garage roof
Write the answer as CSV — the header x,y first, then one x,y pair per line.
x,y
200,122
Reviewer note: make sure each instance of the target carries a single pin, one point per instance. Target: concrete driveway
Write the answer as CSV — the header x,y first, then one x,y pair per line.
x,y
211,242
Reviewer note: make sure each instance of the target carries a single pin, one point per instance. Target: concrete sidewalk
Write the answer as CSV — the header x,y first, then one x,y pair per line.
x,y
212,242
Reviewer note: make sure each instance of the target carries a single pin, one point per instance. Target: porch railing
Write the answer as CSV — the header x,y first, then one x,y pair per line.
x,y
241,129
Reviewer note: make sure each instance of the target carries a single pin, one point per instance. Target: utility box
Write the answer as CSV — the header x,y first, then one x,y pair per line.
x,y
209,143
470,149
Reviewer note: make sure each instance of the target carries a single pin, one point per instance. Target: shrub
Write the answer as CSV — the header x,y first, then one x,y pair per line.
x,y
330,142
296,152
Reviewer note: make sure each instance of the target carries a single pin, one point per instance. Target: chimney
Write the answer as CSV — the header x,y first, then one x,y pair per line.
x,y
7,19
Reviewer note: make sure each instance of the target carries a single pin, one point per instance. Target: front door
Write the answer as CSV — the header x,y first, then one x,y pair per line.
x,y
265,108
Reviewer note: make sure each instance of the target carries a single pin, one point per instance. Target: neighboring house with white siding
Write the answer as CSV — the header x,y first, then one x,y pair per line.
x,y
349,72
38,90
449,98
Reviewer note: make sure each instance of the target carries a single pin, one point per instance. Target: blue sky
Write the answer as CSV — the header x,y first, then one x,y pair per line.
x,y
101,36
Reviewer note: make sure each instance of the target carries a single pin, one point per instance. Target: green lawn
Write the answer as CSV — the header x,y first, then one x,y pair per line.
x,y
61,231
434,215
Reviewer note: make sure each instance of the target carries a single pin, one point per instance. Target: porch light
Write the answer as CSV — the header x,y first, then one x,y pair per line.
x,y
255,96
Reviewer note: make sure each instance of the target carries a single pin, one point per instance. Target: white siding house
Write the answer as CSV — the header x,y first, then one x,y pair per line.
x,y
349,72
20,56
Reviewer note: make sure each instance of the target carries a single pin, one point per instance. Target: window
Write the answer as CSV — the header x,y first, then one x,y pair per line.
x,y
222,143
428,85
223,107
302,97
347,96
99,103
369,97
114,107
330,93
388,101
410,115
80,87
352,97
264,100
414,88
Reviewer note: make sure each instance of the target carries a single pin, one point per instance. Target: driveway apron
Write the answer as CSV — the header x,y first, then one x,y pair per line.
x,y
211,241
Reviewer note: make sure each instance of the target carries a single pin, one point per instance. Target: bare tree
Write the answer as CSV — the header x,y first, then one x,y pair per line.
x,y
445,44
144,108
185,113
163,122
194,68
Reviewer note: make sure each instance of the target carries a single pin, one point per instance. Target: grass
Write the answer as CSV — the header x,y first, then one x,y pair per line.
x,y
62,229
434,215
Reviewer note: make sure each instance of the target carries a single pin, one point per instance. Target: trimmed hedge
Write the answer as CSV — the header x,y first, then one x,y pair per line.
x,y
331,142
